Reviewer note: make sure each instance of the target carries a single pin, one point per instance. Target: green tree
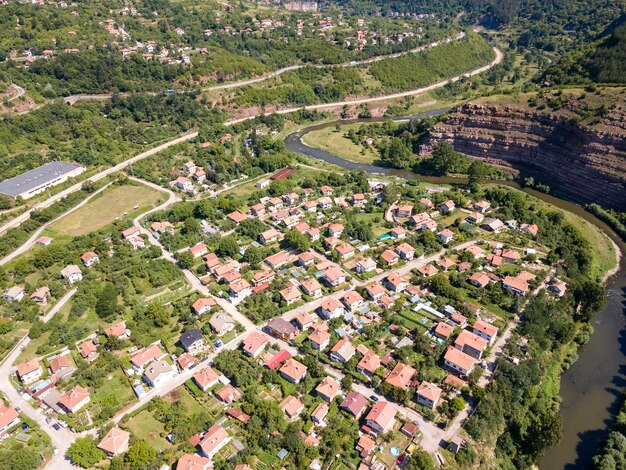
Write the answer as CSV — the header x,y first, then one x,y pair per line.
x,y
297,240
140,455
185,259
228,247
107,301
421,460
84,453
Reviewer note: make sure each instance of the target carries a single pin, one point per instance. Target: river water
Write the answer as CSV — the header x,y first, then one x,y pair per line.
x,y
592,388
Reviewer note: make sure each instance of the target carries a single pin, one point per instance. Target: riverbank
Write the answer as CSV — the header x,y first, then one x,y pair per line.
x,y
588,390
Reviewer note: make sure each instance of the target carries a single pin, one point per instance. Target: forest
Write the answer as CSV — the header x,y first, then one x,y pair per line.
x,y
423,68
601,62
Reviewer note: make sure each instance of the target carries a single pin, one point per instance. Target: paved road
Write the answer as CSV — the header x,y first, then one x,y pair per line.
x,y
98,176
191,135
31,241
239,84
61,439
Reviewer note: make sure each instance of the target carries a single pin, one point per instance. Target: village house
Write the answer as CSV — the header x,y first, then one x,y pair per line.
x,y
198,250
239,290
186,361
228,394
345,251
319,340
206,378
293,371
401,375
342,351
428,394
221,323
458,361
192,341
194,461
14,294
88,350
447,207
335,230
278,260
41,295
404,210
117,330
237,217
365,265
290,295
446,236
331,308
269,236
405,251
282,329
291,406
74,400
312,288
476,251
479,279
203,305
319,414
443,330
254,344
475,218
381,418
353,301
8,418
184,184
395,283
390,257
485,330
374,291
89,258
61,367
398,232
158,372
515,285
482,206
471,344
213,441
328,389
428,270
358,200
334,277
115,442
72,273
559,288
146,355
368,364
354,403
29,371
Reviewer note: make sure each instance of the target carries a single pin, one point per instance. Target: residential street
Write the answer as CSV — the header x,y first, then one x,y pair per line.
x,y
61,439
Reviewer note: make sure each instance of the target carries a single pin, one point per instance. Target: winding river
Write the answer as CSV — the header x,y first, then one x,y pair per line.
x,y
592,388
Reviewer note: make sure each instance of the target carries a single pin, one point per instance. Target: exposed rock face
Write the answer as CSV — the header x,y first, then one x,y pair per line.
x,y
581,163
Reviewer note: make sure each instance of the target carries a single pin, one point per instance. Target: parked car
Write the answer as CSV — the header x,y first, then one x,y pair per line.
x,y
218,343
374,398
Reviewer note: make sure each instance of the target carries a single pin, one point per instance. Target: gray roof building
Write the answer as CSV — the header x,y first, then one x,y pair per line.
x,y
38,179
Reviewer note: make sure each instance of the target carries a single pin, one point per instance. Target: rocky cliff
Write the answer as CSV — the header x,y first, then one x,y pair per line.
x,y
581,158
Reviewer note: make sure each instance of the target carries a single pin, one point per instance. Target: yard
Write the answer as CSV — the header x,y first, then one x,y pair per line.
x,y
145,426
107,207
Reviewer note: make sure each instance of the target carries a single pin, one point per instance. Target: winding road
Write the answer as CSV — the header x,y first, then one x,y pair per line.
x,y
193,134
63,438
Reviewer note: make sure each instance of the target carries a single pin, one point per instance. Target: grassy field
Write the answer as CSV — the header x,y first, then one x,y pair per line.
x,y
105,208
145,426
333,141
